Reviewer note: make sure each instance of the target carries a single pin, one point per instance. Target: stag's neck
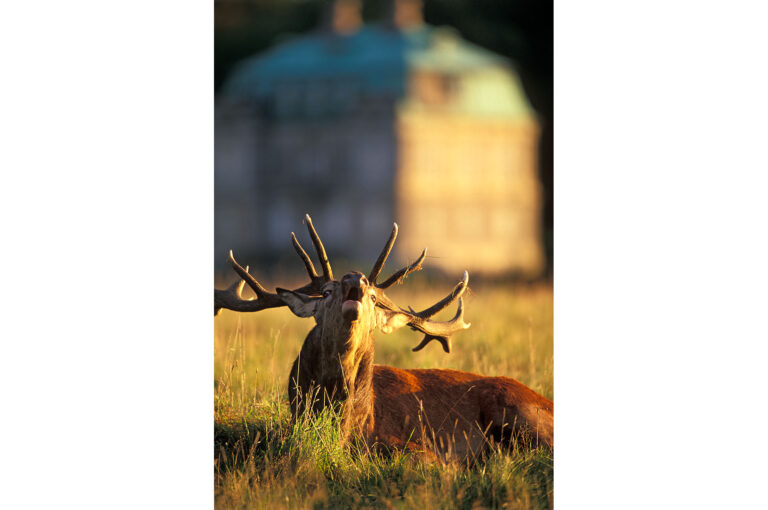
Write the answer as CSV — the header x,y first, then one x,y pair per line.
x,y
342,367
343,351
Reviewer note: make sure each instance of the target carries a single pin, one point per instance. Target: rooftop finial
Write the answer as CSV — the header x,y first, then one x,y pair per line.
x,y
347,16
408,14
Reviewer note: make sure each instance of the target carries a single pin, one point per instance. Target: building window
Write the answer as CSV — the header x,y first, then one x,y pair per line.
x,y
434,89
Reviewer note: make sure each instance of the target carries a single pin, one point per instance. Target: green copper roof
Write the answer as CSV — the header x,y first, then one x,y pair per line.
x,y
371,58
443,50
376,61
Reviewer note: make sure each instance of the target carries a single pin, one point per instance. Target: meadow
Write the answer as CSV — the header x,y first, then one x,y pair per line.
x,y
260,461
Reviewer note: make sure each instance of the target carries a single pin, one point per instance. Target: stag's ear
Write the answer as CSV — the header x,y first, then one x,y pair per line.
x,y
388,321
300,304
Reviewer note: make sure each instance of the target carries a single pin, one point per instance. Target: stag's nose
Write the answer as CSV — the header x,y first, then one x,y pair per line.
x,y
354,280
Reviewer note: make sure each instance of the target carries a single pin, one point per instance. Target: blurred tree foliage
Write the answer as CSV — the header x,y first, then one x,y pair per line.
x,y
520,30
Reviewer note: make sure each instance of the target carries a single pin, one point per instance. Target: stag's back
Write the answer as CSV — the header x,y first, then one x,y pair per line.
x,y
455,412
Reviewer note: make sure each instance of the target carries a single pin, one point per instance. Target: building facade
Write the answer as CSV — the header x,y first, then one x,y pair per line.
x,y
363,125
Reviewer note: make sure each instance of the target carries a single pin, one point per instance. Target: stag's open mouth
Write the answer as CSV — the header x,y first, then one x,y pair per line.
x,y
350,308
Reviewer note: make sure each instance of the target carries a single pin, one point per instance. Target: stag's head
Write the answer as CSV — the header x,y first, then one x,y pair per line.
x,y
342,305
352,307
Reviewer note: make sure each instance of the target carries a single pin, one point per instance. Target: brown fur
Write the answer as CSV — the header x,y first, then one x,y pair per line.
x,y
451,413
456,412
445,412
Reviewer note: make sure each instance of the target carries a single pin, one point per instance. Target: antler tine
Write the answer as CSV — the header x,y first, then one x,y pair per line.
x,y
246,276
231,298
233,293
326,265
441,331
379,265
402,273
457,291
304,257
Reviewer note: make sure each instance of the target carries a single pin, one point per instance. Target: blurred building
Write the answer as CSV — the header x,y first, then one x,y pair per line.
x,y
360,125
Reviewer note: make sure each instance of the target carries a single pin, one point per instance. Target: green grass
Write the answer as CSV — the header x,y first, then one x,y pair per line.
x,y
261,461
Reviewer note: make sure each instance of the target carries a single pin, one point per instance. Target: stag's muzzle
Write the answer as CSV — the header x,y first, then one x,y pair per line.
x,y
352,288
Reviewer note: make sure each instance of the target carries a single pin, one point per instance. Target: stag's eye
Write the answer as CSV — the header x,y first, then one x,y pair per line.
x,y
326,293
373,298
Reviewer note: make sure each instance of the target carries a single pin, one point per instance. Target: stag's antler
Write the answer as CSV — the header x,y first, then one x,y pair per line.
x,y
231,297
418,321
399,274
441,331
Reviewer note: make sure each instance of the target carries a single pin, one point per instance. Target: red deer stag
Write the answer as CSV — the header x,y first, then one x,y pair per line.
x,y
447,412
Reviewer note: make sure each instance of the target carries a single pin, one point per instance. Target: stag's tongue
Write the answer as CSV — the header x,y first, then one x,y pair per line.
x,y
350,309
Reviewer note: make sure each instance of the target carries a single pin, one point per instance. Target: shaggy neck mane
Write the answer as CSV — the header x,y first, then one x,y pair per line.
x,y
344,374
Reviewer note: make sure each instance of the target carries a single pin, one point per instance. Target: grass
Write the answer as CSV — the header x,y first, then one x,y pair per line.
x,y
260,461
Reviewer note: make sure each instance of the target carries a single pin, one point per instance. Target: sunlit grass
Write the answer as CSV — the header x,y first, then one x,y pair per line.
x,y
260,461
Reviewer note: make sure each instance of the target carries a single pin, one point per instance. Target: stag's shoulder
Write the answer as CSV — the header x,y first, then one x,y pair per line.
x,y
392,379
422,377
